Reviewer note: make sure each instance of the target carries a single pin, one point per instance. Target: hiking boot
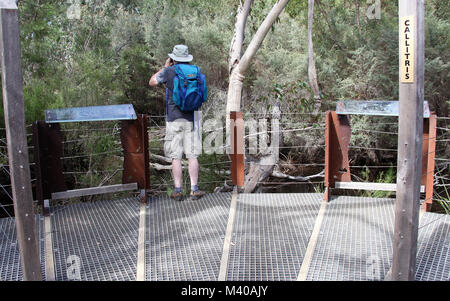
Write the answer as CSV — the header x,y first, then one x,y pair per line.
x,y
195,195
177,196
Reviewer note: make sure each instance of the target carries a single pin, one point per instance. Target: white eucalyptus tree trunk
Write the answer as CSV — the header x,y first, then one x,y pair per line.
x,y
312,73
238,65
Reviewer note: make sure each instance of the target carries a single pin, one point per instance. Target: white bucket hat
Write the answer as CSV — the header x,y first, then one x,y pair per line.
x,y
180,53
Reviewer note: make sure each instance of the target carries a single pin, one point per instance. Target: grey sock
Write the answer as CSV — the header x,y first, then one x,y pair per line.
x,y
177,189
194,187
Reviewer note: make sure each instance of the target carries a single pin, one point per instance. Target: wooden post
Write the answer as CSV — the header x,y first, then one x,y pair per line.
x,y
411,91
13,104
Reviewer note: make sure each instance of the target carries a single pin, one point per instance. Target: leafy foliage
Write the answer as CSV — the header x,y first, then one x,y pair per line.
x,y
108,53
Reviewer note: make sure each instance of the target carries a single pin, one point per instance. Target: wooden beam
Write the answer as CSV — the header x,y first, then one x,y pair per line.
x,y
370,186
227,243
13,104
411,92
49,260
93,190
314,238
140,267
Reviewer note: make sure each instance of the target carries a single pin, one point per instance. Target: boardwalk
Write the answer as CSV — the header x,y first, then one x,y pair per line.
x,y
273,237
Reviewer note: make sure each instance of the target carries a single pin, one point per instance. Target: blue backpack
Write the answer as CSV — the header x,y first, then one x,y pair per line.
x,y
189,87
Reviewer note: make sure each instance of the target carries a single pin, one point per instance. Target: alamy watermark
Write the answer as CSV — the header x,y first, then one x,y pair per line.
x,y
250,135
74,10
73,267
373,269
373,10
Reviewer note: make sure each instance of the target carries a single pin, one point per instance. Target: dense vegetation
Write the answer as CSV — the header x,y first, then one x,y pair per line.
x,y
105,52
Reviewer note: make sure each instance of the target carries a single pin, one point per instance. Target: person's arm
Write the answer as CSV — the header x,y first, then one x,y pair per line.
x,y
153,82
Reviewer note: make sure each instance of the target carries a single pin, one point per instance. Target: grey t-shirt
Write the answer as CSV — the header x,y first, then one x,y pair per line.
x,y
172,111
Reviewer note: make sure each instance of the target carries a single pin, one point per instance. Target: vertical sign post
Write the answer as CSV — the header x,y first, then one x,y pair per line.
x,y
411,93
13,104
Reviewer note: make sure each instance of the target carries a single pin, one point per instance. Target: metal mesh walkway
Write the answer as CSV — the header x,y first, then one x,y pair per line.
x,y
102,234
184,240
10,269
355,241
271,233
433,250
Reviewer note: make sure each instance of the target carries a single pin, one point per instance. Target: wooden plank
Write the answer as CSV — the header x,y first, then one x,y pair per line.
x,y
14,111
227,241
370,186
49,261
307,259
140,269
409,165
93,190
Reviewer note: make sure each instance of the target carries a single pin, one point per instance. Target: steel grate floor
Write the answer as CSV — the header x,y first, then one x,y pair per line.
x,y
103,235
355,241
433,250
184,240
10,268
270,235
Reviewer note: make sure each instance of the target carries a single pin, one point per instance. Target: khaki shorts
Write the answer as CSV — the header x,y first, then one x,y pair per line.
x,y
182,138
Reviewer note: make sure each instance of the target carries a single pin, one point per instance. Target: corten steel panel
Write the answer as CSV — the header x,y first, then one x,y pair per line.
x,y
426,136
47,140
337,139
428,155
237,140
134,137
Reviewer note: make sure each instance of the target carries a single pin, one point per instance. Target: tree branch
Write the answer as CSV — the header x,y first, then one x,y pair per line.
x,y
281,175
239,34
260,35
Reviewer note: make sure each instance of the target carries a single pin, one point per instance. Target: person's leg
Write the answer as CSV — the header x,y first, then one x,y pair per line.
x,y
177,172
192,148
193,172
173,148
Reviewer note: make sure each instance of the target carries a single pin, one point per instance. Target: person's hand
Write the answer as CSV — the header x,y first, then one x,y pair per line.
x,y
168,62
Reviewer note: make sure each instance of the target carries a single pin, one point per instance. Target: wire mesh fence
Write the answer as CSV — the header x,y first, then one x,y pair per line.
x,y
93,156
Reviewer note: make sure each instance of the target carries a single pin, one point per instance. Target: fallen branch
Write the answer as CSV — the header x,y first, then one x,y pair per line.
x,y
158,166
281,175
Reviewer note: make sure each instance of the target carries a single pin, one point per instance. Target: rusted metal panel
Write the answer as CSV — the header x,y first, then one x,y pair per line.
x,y
426,137
47,140
328,121
340,140
237,147
134,138
337,140
428,155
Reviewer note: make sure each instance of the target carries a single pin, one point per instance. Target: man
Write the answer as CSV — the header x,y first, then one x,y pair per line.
x,y
182,134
